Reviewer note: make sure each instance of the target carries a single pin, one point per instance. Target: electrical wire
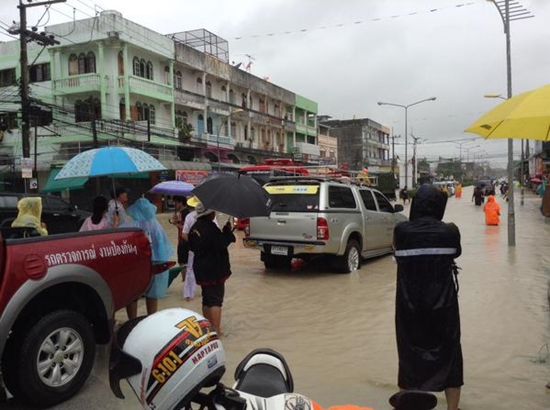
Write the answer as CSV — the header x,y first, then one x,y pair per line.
x,y
40,19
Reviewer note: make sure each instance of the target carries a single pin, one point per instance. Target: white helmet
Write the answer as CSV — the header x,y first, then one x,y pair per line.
x,y
167,358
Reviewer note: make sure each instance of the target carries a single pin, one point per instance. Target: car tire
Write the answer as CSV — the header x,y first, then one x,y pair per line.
x,y
272,262
63,343
351,259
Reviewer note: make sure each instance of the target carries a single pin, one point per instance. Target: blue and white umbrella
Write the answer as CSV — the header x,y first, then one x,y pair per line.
x,y
109,161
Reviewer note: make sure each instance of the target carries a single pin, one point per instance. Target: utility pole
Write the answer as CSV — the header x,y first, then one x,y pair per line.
x,y
415,162
393,161
26,36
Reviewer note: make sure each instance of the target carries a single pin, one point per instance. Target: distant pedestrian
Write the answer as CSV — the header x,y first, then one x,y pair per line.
x,y
144,216
492,211
477,196
117,207
426,309
98,220
29,215
545,207
458,193
211,262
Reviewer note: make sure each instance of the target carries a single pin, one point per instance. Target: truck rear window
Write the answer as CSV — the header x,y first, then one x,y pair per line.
x,y
294,198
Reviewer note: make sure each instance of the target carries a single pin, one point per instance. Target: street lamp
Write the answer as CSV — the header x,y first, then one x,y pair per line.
x,y
238,110
406,107
510,12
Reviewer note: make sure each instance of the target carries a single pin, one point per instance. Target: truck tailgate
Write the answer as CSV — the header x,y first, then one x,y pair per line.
x,y
285,227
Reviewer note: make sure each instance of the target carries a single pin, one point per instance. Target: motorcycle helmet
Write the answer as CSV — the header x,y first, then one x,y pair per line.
x,y
167,358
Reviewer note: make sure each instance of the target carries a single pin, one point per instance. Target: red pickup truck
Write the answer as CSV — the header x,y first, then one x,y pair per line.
x,y
58,295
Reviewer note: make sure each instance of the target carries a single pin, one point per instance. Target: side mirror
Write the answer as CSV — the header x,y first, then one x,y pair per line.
x,y
398,208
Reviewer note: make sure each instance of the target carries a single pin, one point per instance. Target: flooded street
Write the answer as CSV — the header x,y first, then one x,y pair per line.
x,y
337,331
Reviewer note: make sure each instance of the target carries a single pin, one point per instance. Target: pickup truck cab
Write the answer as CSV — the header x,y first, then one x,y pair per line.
x,y
317,216
58,295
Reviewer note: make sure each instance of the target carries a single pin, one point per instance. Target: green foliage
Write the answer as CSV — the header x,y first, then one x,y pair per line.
x,y
453,168
184,132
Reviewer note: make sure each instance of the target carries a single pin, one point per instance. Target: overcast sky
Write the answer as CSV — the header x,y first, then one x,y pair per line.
x,y
398,51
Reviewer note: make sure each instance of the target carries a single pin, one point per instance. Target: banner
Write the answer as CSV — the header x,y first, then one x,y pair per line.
x,y
191,177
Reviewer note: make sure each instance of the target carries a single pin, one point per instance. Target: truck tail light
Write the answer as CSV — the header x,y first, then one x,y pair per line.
x,y
322,229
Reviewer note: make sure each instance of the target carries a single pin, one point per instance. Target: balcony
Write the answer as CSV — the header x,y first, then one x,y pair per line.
x,y
224,141
189,99
147,88
76,84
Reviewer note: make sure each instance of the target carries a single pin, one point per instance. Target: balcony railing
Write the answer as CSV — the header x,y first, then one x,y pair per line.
x,y
213,140
77,84
148,88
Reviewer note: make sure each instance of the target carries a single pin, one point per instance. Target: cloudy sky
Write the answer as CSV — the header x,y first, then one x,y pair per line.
x,y
349,54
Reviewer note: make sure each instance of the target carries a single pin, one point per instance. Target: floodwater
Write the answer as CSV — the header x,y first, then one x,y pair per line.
x,y
337,331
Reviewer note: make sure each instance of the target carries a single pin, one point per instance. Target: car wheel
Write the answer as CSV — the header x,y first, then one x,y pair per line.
x,y
53,359
276,261
351,259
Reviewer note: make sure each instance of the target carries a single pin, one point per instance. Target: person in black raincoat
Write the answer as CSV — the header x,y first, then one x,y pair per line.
x,y
426,308
478,196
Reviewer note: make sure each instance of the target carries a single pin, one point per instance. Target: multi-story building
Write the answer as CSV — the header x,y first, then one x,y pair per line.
x,y
111,80
361,143
328,146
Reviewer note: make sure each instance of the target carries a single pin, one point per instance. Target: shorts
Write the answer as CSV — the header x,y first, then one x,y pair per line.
x,y
183,252
213,295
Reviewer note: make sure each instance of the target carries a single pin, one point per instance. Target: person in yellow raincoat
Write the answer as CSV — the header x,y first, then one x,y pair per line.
x,y
492,211
30,211
458,193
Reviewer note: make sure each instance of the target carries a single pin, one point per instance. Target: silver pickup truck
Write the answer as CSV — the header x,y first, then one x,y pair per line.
x,y
317,216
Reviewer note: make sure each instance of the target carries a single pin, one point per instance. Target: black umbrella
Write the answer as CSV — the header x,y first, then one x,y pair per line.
x,y
236,195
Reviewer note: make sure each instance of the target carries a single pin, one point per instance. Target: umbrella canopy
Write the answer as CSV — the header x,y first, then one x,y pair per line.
x,y
109,161
179,188
236,195
525,116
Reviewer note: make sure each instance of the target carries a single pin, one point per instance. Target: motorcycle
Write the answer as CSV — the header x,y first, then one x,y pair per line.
x,y
173,360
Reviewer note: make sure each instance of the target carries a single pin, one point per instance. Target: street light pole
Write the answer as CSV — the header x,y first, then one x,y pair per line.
x,y
517,13
406,108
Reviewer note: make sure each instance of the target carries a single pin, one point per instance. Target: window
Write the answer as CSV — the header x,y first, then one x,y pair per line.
x,y
122,109
383,204
231,97
199,80
81,63
149,71
142,68
73,64
307,202
243,100
179,80
136,66
90,62
152,114
368,200
208,89
39,72
209,126
139,110
341,197
7,77
8,120
87,110
262,105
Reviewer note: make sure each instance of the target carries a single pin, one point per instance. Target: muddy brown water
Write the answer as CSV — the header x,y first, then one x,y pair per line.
x,y
337,331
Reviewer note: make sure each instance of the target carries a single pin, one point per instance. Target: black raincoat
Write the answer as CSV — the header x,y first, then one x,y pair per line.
x,y
426,309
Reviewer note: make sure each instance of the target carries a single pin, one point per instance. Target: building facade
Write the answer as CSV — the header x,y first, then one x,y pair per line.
x,y
112,81
361,143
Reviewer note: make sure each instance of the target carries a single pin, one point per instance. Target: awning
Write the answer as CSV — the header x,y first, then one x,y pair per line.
x,y
187,165
59,185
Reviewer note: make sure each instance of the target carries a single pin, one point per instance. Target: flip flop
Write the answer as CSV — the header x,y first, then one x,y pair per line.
x,y
413,400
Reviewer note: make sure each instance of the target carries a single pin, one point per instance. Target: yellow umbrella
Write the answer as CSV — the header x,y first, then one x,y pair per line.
x,y
525,116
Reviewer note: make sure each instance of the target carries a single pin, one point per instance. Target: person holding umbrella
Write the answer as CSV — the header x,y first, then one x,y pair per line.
x,y
117,214
211,262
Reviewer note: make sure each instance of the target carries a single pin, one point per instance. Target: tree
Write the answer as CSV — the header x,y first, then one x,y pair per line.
x,y
452,168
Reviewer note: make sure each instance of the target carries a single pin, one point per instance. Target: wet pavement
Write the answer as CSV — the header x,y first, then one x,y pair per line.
x,y
337,331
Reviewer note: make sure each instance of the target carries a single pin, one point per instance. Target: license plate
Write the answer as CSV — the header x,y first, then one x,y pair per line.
x,y
279,250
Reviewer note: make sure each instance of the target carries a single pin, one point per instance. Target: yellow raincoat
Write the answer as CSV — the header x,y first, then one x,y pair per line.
x,y
30,211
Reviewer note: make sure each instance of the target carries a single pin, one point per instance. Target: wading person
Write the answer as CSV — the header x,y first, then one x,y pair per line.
x,y
99,219
477,196
144,215
426,308
190,284
211,262
181,211
492,211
